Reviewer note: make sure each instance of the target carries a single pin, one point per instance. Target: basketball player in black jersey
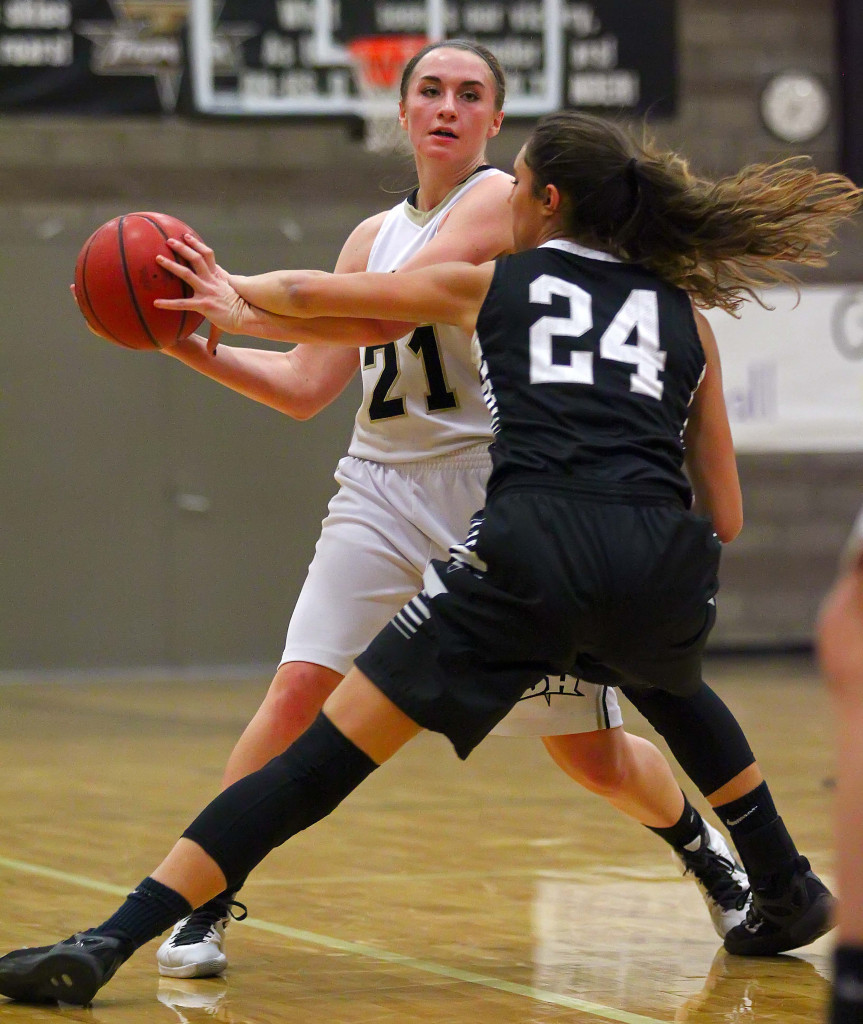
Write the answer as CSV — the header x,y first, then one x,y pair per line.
x,y
602,383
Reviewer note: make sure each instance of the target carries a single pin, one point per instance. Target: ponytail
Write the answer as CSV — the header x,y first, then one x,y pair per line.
x,y
719,240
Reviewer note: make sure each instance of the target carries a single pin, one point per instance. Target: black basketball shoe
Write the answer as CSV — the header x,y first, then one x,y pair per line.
x,y
72,971
785,916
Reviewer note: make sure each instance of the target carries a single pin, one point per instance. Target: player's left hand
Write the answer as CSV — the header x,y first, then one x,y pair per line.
x,y
212,292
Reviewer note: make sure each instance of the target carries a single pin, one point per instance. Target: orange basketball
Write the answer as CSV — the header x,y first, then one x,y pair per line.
x,y
117,278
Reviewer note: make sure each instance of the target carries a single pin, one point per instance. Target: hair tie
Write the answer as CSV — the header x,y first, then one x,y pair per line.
x,y
632,171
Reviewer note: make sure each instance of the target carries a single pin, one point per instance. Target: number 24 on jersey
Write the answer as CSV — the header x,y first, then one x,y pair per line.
x,y
639,313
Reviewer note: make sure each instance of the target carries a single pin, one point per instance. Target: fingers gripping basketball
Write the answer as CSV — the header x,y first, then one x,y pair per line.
x,y
117,279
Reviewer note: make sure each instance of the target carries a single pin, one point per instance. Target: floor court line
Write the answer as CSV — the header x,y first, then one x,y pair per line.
x,y
361,949
598,874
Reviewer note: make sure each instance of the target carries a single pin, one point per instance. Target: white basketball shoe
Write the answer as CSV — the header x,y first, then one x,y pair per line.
x,y
195,948
722,881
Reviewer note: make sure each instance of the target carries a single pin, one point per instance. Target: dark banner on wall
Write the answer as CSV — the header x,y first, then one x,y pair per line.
x,y
850,46
91,56
608,55
618,54
129,56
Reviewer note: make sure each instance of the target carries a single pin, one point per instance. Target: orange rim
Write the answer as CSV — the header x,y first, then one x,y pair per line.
x,y
381,59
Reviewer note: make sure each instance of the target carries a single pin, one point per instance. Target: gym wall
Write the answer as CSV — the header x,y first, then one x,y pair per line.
x,y
152,519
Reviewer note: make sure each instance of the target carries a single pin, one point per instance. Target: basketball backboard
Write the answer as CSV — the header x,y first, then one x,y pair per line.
x,y
289,57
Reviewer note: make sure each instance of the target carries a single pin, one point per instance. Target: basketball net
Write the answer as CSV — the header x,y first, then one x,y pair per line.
x,y
378,62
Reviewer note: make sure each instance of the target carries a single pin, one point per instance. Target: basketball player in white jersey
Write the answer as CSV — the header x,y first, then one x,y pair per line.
x,y
415,473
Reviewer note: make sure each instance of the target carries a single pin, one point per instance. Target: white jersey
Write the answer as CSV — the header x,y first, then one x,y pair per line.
x,y
421,394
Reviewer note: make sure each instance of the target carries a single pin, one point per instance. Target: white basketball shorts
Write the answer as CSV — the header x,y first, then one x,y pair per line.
x,y
383,526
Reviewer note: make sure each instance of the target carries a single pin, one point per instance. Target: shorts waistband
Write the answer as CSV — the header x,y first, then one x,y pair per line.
x,y
475,456
640,495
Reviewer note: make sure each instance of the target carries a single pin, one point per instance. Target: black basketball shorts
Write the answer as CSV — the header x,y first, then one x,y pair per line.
x,y
550,583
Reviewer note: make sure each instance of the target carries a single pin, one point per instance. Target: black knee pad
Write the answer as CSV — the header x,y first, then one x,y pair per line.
x,y
701,732
294,790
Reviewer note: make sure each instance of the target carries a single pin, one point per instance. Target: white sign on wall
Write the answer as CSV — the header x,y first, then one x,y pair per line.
x,y
793,376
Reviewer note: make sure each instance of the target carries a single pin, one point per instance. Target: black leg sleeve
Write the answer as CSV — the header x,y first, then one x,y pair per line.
x,y
296,789
701,732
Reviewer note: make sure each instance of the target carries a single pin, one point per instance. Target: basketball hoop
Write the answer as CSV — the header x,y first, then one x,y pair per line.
x,y
378,62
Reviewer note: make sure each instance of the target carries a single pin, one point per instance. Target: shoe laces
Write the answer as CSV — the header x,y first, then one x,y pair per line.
x,y
244,910
716,874
201,922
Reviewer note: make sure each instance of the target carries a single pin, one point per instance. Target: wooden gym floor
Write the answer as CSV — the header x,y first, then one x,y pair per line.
x,y
491,891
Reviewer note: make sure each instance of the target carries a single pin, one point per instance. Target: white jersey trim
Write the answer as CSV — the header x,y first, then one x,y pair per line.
x,y
580,250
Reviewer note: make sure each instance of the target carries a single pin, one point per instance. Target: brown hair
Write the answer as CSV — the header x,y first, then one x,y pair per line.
x,y
459,44
719,240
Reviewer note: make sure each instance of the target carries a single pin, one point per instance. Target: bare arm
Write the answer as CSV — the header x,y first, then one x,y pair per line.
x,y
214,295
261,323
710,459
449,293
477,229
353,331
298,383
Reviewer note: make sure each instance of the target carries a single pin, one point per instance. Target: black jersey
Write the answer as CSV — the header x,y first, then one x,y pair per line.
x,y
588,365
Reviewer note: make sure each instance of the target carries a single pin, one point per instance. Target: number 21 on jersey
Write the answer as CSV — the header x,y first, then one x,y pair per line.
x,y
638,314
424,345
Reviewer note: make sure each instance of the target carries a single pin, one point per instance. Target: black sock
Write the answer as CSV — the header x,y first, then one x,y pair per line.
x,y
147,912
748,813
766,849
685,831
846,1005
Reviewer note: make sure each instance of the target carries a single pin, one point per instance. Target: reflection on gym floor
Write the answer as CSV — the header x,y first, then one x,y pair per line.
x,y
491,891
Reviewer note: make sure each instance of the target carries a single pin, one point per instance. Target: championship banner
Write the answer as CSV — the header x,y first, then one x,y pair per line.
x,y
793,376
615,56
91,56
287,57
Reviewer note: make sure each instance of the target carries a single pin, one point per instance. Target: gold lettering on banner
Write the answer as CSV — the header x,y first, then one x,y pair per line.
x,y
143,40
